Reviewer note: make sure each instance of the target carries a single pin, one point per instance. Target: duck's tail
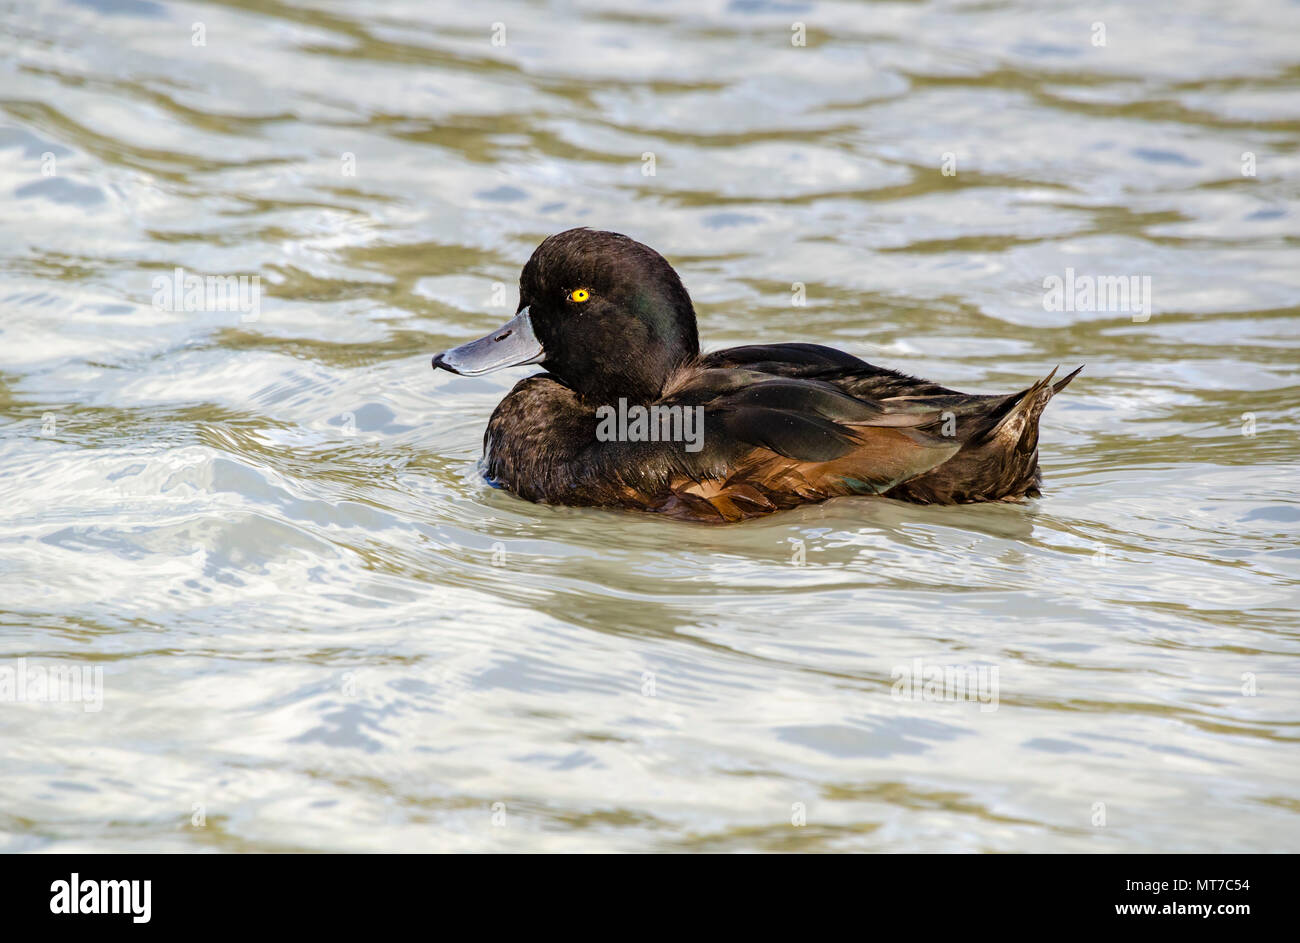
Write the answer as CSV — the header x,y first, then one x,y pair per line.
x,y
999,459
1016,417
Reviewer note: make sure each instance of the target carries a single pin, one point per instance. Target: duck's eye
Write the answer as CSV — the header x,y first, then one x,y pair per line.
x,y
579,295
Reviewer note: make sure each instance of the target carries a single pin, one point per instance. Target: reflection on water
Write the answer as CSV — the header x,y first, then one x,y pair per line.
x,y
320,629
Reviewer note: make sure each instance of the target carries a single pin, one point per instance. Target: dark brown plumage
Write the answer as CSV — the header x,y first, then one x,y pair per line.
x,y
781,424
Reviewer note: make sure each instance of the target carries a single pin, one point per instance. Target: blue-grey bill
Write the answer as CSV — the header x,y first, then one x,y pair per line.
x,y
513,344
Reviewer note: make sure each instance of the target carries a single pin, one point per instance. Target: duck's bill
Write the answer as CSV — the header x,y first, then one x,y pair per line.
x,y
513,344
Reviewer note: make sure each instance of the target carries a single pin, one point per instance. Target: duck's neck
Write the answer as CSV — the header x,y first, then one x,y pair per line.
x,y
637,377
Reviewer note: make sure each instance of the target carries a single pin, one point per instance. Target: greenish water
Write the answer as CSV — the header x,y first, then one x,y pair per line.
x,y
319,629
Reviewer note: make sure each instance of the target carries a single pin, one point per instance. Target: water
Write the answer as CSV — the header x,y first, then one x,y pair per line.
x,y
319,629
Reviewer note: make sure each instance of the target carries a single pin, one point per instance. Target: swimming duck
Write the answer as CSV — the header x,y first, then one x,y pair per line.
x,y
630,414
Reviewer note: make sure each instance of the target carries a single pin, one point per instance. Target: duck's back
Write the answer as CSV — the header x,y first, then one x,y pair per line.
x,y
816,362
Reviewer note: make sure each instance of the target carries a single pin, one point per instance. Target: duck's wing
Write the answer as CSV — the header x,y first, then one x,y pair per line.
x,y
773,442
815,361
789,360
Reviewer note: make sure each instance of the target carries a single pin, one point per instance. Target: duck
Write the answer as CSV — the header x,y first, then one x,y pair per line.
x,y
629,414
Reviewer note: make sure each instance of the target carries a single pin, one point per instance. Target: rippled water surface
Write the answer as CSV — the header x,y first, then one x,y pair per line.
x,y
319,629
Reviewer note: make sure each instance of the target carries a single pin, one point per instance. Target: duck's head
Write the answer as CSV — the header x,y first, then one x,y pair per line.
x,y
604,314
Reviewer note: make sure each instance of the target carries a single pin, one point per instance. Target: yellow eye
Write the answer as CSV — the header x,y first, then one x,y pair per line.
x,y
579,295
